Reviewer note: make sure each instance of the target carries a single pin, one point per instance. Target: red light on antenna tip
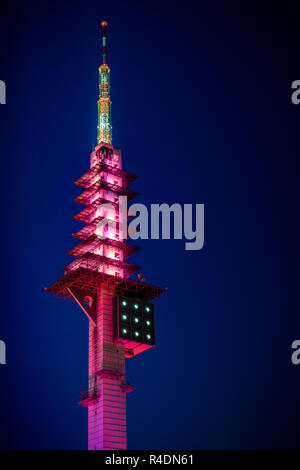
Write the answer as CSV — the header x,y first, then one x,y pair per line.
x,y
103,23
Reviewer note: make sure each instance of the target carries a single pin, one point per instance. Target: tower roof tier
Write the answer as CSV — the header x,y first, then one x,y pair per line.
x,y
89,229
87,180
93,262
94,241
86,197
88,213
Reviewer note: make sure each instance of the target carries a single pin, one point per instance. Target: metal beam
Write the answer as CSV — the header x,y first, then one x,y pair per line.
x,y
89,310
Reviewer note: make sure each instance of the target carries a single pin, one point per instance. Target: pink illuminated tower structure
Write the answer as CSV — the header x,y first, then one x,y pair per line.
x,y
119,310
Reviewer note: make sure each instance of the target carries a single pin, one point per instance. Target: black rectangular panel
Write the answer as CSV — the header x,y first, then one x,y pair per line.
x,y
134,320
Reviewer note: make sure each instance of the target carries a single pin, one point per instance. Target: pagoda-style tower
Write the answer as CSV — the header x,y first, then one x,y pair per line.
x,y
119,310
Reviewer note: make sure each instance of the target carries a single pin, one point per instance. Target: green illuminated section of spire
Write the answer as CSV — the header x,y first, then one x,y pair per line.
x,y
104,106
104,127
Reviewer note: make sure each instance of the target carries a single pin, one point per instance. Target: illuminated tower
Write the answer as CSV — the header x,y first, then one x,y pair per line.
x,y
119,310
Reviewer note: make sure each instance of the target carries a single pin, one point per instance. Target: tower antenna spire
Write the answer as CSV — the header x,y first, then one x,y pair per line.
x,y
104,24
104,133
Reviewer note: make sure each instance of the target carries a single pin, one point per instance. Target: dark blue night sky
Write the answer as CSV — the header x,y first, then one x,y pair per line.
x,y
202,111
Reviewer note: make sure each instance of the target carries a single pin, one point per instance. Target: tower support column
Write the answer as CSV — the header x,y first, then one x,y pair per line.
x,y
107,408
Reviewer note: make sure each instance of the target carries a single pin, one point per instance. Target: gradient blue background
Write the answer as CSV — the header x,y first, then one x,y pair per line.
x,y
202,111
